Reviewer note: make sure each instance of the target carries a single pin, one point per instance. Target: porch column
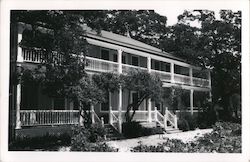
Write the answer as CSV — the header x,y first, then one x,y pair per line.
x,y
149,110
149,100
120,92
110,109
18,106
172,72
19,39
92,111
191,75
120,110
209,84
18,87
192,101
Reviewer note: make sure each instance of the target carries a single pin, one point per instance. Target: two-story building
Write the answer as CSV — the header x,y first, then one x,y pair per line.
x,y
108,52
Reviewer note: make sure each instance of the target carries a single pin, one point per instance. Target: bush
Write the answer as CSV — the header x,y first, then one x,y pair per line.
x,y
135,129
225,138
89,139
187,122
46,142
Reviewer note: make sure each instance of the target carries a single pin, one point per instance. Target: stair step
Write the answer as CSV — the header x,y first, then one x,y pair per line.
x,y
170,131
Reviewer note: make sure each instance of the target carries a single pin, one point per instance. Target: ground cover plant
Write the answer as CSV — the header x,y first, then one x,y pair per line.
x,y
225,138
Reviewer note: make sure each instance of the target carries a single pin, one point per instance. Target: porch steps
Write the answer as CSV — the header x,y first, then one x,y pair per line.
x,y
112,133
168,130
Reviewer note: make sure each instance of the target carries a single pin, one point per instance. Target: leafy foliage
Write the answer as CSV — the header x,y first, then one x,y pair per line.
x,y
225,138
45,143
145,84
89,139
135,129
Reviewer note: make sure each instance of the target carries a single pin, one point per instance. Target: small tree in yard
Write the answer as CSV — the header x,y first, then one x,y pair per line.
x,y
146,85
107,82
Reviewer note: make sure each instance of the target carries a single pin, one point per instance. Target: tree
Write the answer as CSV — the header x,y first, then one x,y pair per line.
x,y
62,71
146,85
216,45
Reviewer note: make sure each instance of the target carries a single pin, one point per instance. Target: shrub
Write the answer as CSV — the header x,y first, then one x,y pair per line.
x,y
225,138
47,142
89,139
187,122
135,129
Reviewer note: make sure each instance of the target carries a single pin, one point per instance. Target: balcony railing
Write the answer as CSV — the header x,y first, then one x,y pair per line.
x,y
48,117
128,68
164,76
100,65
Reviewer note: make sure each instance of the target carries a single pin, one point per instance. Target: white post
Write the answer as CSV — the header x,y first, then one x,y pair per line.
x,y
110,115
149,64
175,122
166,118
81,120
120,92
172,72
192,101
19,39
191,75
156,119
92,114
149,110
119,61
102,121
149,100
110,109
120,110
18,106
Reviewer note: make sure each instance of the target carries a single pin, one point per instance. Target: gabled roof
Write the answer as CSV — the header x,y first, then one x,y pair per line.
x,y
127,42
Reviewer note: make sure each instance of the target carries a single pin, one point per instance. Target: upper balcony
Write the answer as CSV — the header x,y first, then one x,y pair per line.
x,y
169,72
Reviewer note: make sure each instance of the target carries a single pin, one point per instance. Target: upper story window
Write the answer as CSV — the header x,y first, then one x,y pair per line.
x,y
135,60
181,70
104,54
160,65
59,103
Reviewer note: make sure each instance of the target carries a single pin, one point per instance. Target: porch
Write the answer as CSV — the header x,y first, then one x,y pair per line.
x,y
43,118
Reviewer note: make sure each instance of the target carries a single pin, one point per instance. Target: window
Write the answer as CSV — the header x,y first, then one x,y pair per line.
x,y
59,103
123,59
158,106
29,97
105,105
135,60
134,97
115,57
181,70
165,66
157,65
104,54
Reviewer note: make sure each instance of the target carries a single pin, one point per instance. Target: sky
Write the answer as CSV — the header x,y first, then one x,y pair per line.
x,y
172,15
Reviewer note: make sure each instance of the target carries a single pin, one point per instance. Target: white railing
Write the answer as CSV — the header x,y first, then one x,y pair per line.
x,y
128,68
48,117
171,118
36,55
200,82
164,76
113,120
100,65
95,118
182,79
159,118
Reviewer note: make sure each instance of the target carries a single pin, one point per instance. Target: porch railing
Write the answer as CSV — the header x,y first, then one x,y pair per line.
x,y
200,82
101,65
95,118
182,79
113,120
128,68
48,117
171,118
164,76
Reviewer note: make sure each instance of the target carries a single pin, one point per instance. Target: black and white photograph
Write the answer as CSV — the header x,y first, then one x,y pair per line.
x,y
126,80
